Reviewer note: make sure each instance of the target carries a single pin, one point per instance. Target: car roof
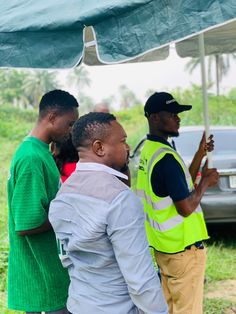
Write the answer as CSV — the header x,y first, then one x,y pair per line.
x,y
201,128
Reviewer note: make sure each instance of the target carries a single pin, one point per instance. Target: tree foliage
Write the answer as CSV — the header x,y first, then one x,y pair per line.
x,y
127,97
79,78
221,63
38,83
12,91
24,88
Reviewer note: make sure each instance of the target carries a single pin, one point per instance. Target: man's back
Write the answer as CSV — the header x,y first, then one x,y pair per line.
x,y
100,224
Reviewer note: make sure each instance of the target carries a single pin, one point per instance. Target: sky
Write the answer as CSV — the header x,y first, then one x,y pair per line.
x,y
139,77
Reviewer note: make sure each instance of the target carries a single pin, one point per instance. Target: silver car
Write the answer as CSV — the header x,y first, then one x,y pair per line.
x,y
218,202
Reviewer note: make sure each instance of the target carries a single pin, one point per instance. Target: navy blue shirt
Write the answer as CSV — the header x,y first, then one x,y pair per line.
x,y
168,178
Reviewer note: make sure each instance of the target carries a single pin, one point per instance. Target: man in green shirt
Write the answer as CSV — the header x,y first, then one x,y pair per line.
x,y
36,279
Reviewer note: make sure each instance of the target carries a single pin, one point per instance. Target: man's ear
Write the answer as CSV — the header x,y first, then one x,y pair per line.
x,y
52,115
98,148
154,117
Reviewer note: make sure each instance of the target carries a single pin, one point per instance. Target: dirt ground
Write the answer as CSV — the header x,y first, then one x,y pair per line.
x,y
224,289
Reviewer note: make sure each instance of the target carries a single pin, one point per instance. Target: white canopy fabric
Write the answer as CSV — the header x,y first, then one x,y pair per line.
x,y
217,40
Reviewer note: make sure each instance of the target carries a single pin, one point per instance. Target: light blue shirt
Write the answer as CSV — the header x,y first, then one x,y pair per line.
x,y
99,222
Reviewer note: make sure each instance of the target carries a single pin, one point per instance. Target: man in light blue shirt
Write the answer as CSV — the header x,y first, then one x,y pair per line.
x,y
99,222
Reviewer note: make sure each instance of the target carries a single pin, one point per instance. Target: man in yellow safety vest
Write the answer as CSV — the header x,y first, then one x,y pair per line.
x,y
174,220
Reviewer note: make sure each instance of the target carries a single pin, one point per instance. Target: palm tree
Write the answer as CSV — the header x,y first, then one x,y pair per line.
x,y
222,66
39,82
79,77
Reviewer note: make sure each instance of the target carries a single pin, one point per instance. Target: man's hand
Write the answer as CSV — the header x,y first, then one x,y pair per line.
x,y
210,176
206,146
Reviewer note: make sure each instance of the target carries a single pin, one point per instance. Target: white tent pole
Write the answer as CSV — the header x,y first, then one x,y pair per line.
x,y
204,93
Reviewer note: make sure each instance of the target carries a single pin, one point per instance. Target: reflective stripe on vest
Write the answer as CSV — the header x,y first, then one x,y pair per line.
x,y
164,226
162,204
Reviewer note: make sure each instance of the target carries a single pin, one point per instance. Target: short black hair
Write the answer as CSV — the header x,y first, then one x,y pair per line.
x,y
67,153
91,126
57,99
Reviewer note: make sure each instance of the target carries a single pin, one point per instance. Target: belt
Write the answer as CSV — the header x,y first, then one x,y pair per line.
x,y
199,245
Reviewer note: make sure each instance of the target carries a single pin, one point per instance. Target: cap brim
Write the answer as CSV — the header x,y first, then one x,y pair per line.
x,y
176,108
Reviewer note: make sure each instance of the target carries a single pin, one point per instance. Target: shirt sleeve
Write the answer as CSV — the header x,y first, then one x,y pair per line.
x,y
168,179
29,203
125,228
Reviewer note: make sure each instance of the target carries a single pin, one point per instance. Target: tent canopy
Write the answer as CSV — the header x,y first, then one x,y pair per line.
x,y
219,40
64,33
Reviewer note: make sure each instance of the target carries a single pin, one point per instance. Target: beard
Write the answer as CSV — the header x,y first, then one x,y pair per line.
x,y
171,134
125,167
174,134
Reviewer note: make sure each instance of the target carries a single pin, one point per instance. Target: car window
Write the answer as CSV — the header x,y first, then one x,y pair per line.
x,y
225,142
187,142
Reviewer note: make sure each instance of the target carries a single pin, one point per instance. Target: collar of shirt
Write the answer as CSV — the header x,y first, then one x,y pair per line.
x,y
93,166
156,138
37,141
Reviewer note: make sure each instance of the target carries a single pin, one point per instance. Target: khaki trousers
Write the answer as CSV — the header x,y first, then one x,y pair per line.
x,y
182,277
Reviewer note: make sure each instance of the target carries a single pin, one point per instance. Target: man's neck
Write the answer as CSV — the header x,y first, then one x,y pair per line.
x,y
39,131
159,134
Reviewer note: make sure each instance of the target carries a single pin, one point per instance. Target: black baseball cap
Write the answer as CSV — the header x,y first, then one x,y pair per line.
x,y
163,102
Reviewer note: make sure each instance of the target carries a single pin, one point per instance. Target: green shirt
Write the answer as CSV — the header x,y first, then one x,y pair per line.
x,y
36,279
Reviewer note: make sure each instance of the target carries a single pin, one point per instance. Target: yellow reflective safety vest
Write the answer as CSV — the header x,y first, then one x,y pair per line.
x,y
167,231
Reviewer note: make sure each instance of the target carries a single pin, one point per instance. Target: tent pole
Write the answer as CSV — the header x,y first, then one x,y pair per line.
x,y
204,93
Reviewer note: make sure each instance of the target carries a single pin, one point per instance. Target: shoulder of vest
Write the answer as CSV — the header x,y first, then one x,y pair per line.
x,y
158,150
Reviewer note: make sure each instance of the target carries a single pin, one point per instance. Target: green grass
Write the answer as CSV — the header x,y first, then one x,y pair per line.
x,y
216,306
221,262
15,123
7,149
